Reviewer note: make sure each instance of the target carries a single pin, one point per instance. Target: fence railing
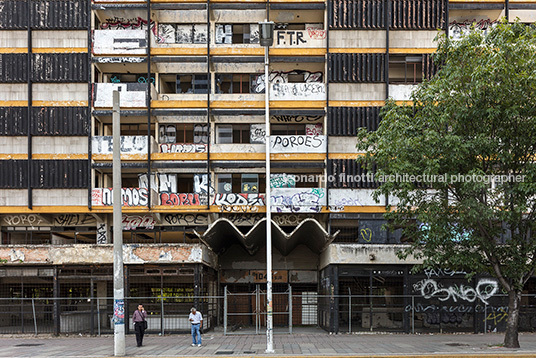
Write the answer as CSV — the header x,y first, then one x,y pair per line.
x,y
237,313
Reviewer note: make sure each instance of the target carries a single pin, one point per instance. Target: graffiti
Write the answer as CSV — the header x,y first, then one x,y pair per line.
x,y
498,315
186,219
258,84
233,199
129,145
437,272
293,38
298,144
115,79
313,129
289,219
336,208
183,148
457,29
144,183
167,183
142,79
118,59
257,134
298,91
435,314
282,181
129,196
117,23
298,199
73,220
238,208
366,234
101,234
296,118
485,289
15,220
132,222
180,199
316,33
119,312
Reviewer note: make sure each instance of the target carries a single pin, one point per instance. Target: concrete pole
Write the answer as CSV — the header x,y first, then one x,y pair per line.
x,y
269,306
119,289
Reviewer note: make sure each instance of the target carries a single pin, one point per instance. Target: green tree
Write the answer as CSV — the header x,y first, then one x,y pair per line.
x,y
475,119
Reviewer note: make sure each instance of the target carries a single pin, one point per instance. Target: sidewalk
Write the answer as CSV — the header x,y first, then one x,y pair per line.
x,y
307,344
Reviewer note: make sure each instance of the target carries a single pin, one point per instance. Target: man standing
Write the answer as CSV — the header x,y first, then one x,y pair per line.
x,y
138,318
196,320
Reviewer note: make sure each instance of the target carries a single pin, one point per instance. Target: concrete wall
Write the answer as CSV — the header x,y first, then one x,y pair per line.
x,y
55,197
236,258
180,67
241,16
363,254
412,38
356,91
182,16
14,145
103,254
352,197
60,92
9,38
342,144
237,148
357,38
59,145
13,197
14,91
59,38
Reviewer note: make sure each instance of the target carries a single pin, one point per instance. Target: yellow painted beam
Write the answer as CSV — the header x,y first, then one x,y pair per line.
x,y
236,104
297,51
125,157
13,50
479,1
178,104
14,156
237,156
356,103
59,50
345,155
44,103
55,156
230,51
302,157
393,50
178,51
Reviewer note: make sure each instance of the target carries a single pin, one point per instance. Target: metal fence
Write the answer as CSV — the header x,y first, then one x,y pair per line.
x,y
245,313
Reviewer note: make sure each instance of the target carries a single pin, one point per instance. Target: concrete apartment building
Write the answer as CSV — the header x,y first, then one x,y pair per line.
x,y
192,86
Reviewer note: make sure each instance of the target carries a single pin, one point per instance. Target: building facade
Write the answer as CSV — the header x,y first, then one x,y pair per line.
x,y
192,90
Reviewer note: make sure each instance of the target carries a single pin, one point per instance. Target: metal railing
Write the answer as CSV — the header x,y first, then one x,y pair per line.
x,y
245,313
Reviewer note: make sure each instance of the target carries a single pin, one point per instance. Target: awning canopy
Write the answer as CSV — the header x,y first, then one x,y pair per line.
x,y
222,234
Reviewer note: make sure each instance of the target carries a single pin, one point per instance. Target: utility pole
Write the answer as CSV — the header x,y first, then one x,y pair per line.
x,y
119,288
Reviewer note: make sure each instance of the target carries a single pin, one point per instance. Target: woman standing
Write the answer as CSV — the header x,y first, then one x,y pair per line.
x,y
140,324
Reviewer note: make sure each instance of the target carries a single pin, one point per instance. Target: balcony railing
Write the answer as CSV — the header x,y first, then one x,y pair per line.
x,y
298,144
297,200
133,95
129,145
305,91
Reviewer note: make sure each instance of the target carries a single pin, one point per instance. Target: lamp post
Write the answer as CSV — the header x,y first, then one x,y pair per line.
x,y
267,39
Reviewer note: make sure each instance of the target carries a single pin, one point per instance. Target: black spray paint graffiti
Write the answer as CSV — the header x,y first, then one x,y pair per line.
x,y
119,23
101,234
295,141
297,118
186,219
73,219
14,220
233,199
258,85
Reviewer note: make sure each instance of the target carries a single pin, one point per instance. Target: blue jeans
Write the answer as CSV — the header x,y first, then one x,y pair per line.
x,y
196,335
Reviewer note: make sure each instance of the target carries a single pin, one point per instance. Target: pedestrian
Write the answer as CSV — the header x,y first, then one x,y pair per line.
x,y
196,320
140,324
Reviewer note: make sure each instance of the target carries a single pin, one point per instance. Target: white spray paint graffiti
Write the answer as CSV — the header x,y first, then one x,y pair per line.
x,y
257,134
485,289
303,200
129,145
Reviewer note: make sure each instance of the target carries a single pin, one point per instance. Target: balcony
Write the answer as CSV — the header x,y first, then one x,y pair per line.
x,y
297,200
120,42
298,144
305,91
129,196
129,145
132,95
312,37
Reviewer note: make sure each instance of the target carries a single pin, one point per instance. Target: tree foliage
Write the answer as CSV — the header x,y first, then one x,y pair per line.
x,y
475,119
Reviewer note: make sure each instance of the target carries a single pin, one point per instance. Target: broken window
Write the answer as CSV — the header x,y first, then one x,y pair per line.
x,y
182,83
182,33
233,133
405,69
241,183
287,129
237,33
234,83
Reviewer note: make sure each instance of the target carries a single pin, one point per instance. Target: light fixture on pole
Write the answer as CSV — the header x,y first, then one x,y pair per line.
x,y
267,39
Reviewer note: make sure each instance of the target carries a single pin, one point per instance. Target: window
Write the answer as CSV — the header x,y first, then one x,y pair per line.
x,y
234,133
287,129
234,83
182,33
241,183
405,69
237,33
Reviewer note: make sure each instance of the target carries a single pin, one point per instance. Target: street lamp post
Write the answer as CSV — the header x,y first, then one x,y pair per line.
x,y
267,39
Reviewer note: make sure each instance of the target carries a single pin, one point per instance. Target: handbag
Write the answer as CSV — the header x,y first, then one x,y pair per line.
x,y
144,324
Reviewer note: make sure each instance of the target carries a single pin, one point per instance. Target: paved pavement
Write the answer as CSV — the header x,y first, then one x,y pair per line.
x,y
309,344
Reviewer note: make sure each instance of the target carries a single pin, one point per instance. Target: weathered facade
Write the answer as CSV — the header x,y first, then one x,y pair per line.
x,y
192,87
